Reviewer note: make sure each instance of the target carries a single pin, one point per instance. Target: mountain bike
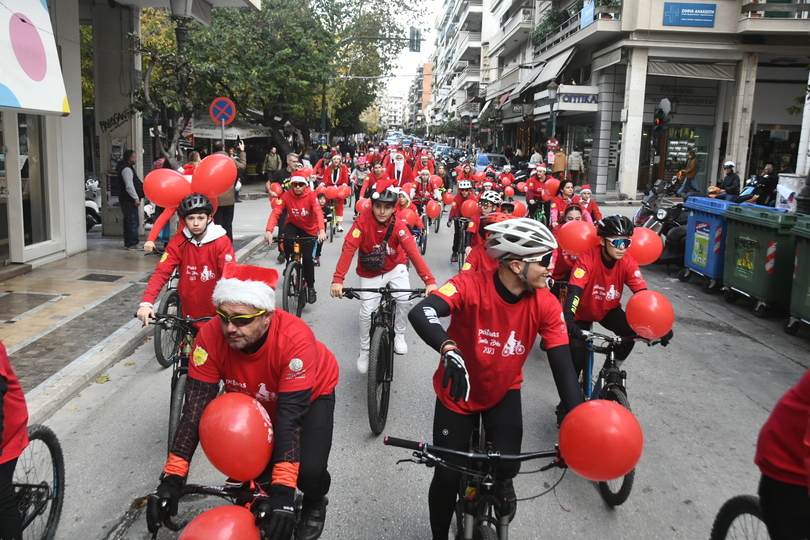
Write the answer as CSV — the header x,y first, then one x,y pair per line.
x,y
421,234
381,351
294,288
480,513
39,482
185,327
461,254
609,383
438,219
739,517
167,337
332,222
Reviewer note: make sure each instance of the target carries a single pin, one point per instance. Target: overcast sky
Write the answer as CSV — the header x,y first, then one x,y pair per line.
x,y
410,61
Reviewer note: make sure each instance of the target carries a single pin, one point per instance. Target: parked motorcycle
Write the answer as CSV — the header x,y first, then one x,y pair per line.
x,y
754,192
92,198
651,199
669,222
522,173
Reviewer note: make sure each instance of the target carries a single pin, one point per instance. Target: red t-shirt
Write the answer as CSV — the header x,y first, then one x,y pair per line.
x,y
535,189
783,447
304,212
504,176
15,412
427,190
367,234
602,287
592,208
458,200
494,337
479,260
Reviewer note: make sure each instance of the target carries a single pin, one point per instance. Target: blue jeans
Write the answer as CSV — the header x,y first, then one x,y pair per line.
x,y
130,223
688,186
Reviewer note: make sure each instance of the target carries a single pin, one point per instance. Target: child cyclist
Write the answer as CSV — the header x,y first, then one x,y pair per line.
x,y
199,251
304,220
465,193
488,202
327,217
495,317
385,243
478,258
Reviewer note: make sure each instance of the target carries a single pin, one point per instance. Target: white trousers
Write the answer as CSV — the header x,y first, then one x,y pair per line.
x,y
398,279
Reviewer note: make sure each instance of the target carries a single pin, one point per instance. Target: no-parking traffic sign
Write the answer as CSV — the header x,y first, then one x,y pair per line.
x,y
222,110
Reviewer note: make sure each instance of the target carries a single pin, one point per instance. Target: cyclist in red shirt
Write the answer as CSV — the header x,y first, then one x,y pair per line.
x,y
376,182
13,440
467,173
489,201
273,356
536,195
478,258
495,316
506,175
304,220
465,193
589,204
337,174
385,244
425,188
200,252
560,202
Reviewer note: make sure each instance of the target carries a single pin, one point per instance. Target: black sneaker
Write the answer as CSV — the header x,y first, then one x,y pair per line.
x,y
313,517
281,258
312,296
454,257
561,412
505,490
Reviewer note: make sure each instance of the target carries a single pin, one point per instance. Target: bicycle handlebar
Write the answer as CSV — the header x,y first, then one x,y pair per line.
x,y
351,292
590,337
162,318
427,452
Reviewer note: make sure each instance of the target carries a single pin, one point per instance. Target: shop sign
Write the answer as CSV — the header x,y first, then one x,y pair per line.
x,y
517,108
779,134
678,14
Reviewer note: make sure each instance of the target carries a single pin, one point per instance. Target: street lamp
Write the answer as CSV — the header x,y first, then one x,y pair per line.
x,y
552,97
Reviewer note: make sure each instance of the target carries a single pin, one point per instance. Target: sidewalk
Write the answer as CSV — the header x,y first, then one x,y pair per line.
x,y
64,323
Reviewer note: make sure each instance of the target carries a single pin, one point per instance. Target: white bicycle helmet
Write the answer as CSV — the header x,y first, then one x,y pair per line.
x,y
518,238
491,196
464,184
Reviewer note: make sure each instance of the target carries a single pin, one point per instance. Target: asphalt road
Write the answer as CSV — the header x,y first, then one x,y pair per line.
x,y
700,401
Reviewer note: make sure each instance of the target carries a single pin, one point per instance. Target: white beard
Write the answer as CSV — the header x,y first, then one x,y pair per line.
x,y
399,165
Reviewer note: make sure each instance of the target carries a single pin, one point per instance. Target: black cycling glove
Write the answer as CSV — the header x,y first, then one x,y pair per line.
x,y
455,370
275,516
574,331
163,501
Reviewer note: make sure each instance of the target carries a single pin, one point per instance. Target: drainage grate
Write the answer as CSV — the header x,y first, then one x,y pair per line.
x,y
101,277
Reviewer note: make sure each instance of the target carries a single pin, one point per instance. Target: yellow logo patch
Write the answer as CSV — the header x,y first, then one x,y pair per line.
x,y
471,225
448,289
164,256
356,233
200,356
466,266
579,272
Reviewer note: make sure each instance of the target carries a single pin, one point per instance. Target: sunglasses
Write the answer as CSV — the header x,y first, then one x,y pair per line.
x,y
620,243
544,259
239,320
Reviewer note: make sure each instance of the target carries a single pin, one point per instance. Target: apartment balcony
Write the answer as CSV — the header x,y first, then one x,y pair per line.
x,y
462,6
471,16
514,33
469,75
468,109
468,45
510,77
762,18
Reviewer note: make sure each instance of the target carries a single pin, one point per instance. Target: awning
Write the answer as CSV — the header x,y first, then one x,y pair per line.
x,y
503,99
206,128
722,72
30,74
484,108
524,84
554,67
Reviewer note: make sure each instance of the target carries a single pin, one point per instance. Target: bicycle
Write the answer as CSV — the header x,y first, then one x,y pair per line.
x,y
739,517
609,383
539,213
381,351
39,480
461,254
421,234
185,327
294,288
478,506
332,220
166,338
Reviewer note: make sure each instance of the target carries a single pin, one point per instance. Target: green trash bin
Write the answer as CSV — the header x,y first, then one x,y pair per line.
x,y
800,292
759,256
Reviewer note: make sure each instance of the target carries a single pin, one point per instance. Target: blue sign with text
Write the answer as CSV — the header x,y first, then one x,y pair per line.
x,y
678,14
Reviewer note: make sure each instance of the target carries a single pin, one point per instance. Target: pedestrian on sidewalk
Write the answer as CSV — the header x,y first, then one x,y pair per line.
x,y
130,193
272,163
689,172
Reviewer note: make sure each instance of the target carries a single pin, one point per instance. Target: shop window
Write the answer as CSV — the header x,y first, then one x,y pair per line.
x,y
34,185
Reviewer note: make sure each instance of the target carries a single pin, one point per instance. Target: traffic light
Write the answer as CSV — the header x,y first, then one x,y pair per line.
x,y
415,42
659,119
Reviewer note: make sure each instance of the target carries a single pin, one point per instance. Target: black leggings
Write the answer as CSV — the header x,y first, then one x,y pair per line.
x,y
616,322
786,509
10,520
316,443
504,428
291,232
457,236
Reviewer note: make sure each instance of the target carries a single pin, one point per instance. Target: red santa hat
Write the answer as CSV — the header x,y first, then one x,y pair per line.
x,y
424,171
541,167
585,188
245,284
299,177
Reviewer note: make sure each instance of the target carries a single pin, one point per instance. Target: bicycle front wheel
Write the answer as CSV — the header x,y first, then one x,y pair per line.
x,y
739,517
615,492
178,399
438,219
168,337
39,481
425,229
291,289
380,373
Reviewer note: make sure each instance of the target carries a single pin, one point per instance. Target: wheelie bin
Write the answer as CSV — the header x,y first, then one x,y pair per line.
x,y
759,256
705,241
800,292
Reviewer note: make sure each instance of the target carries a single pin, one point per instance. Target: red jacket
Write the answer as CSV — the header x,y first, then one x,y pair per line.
x,y
304,212
407,174
417,166
367,234
504,176
343,176
427,191
535,189
14,427
592,208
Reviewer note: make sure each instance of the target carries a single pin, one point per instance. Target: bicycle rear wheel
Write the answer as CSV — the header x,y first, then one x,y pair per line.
x,y
291,289
168,337
425,229
739,517
178,399
39,481
615,492
380,373
332,224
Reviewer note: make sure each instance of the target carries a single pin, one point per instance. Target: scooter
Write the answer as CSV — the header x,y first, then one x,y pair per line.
x,y
670,224
522,173
92,195
754,192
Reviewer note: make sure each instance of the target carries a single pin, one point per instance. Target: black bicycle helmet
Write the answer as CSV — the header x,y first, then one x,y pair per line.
x,y
195,204
615,225
387,196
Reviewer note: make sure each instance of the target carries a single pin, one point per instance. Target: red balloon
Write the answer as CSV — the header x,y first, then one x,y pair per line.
x,y
552,187
215,175
433,209
306,171
438,180
521,186
601,440
646,247
577,236
166,187
520,209
362,204
331,192
506,182
410,216
344,191
458,169
320,189
509,191
447,197
236,435
480,175
650,314
276,188
468,208
229,522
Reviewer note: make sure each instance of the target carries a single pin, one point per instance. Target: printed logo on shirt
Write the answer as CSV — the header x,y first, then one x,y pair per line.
x,y
513,346
471,225
207,274
296,364
612,293
637,273
279,202
448,289
200,356
356,233
164,256
466,266
264,395
304,212
228,258
402,233
579,272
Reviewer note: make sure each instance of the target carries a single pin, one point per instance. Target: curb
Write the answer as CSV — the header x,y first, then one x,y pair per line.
x,y
51,395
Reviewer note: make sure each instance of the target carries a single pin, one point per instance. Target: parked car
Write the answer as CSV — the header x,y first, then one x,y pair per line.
x,y
496,161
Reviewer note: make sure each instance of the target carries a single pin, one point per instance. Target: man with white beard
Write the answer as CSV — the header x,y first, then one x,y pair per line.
x,y
399,171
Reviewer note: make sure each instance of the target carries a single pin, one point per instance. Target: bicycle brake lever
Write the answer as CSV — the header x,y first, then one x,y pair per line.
x,y
172,526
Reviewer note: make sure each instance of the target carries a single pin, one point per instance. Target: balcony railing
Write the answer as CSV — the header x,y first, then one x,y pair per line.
x,y
468,40
522,19
797,9
463,5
